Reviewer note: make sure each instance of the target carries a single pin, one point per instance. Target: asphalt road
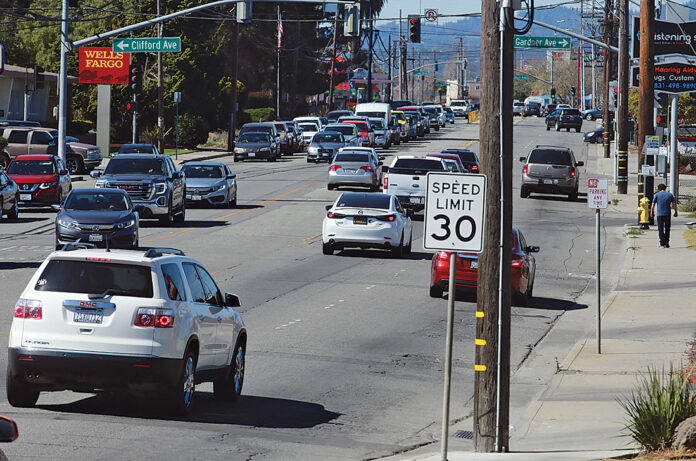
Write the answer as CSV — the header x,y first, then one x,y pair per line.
x,y
345,351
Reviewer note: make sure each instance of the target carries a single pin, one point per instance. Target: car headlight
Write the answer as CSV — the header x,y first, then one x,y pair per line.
x,y
219,187
312,149
101,183
68,224
125,224
46,185
238,150
160,187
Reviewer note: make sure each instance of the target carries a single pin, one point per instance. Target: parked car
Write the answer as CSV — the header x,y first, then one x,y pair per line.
x,y
103,217
348,130
367,220
564,118
211,183
255,145
469,159
138,149
266,127
334,115
42,180
449,115
532,108
151,322
591,114
550,170
324,146
154,185
466,270
597,135
355,167
9,197
517,108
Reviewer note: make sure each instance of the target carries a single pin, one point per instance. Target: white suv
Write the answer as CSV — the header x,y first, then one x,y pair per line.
x,y
149,321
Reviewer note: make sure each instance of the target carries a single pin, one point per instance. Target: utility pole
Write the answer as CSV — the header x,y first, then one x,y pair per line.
x,y
460,89
622,110
420,81
606,116
63,80
646,101
581,58
160,106
390,63
333,62
233,96
278,70
369,62
402,68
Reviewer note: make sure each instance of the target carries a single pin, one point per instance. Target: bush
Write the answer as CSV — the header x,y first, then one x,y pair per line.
x,y
3,143
687,204
688,160
193,130
259,99
654,410
263,114
77,127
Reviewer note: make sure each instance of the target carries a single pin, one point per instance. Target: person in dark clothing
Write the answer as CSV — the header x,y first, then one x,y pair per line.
x,y
662,202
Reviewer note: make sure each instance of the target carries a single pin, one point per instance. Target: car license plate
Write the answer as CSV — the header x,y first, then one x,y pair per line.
x,y
474,264
195,197
88,315
96,237
25,197
415,200
350,170
548,181
359,220
251,154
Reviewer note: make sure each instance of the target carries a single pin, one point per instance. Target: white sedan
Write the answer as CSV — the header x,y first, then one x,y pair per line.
x,y
364,220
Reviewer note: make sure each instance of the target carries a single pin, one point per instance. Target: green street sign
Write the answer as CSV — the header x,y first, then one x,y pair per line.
x,y
146,45
522,41
421,72
441,84
520,77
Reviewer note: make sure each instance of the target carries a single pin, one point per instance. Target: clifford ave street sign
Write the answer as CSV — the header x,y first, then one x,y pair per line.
x,y
522,41
669,38
146,45
455,211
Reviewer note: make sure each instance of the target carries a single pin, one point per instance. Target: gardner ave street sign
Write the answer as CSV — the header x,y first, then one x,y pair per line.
x,y
455,212
146,45
522,41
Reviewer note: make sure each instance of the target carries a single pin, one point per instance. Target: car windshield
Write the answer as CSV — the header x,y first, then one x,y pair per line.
x,y
136,166
280,127
371,114
431,110
261,129
362,126
344,129
92,277
327,137
532,104
30,167
550,157
136,150
378,201
253,137
416,166
571,112
96,201
204,171
309,127
343,157
377,124
464,156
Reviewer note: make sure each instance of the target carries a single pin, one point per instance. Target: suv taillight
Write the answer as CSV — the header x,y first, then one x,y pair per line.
x,y
154,317
443,255
367,168
334,167
386,182
28,309
572,171
524,169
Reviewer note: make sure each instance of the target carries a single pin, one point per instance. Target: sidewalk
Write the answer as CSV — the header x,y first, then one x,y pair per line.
x,y
574,414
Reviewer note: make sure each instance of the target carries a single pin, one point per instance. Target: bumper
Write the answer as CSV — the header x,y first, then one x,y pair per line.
x,y
327,156
149,208
252,155
365,180
460,284
213,198
558,186
361,238
42,197
570,125
59,370
116,239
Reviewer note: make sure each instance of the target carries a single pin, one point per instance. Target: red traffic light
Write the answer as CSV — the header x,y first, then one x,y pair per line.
x,y
414,21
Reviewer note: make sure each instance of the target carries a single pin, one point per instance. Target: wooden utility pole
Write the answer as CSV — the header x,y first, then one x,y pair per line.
x,y
646,101
233,77
403,80
160,105
622,110
333,62
606,116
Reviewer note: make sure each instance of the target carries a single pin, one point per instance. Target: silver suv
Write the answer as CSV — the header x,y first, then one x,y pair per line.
x,y
550,170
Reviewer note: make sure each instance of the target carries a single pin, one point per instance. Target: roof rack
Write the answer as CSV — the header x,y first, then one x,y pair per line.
x,y
551,147
78,246
157,252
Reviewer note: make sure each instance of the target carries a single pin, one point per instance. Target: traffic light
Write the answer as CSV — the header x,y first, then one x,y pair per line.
x,y
465,93
616,97
131,106
135,72
414,28
553,95
572,92
38,77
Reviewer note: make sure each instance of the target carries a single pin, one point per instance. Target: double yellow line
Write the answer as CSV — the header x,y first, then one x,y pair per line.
x,y
306,241
237,212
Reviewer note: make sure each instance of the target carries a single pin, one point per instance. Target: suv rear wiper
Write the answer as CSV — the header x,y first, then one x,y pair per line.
x,y
106,293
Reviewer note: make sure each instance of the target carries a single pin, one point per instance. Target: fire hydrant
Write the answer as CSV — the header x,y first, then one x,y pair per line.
x,y
644,212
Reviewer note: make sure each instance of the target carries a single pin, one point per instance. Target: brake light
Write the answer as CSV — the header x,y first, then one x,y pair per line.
x,y
98,259
333,215
474,168
154,317
443,255
334,167
524,169
572,171
164,319
367,168
386,182
389,217
517,263
28,309
363,134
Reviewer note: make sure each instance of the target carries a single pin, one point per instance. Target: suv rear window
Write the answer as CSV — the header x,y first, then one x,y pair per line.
x,y
93,277
363,158
137,166
346,129
379,201
416,166
550,157
571,112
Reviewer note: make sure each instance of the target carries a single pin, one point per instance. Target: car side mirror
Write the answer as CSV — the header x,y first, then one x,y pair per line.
x,y
409,212
56,207
382,157
8,430
580,163
385,169
232,300
95,173
63,172
231,176
532,249
177,175
522,159
380,163
328,207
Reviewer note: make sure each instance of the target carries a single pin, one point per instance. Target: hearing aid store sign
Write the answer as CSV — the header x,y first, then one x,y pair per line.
x,y
101,66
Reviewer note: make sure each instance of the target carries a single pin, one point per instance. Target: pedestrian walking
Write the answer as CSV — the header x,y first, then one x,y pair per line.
x,y
662,202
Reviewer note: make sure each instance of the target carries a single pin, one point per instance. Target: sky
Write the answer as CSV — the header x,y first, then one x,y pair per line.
x,y
391,8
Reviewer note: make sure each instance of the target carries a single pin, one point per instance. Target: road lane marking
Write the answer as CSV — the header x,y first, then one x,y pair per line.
x,y
307,241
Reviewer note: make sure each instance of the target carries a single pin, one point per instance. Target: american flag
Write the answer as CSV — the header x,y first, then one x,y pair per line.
x,y
280,30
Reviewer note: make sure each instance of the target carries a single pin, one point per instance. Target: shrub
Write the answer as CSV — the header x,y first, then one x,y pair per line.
x,y
76,127
655,408
193,130
687,204
263,114
259,99
3,143
688,161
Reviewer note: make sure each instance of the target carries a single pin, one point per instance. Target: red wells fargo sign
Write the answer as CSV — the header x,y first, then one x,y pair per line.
x,y
102,66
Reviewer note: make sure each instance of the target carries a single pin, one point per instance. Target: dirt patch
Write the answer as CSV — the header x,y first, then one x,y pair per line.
x,y
682,455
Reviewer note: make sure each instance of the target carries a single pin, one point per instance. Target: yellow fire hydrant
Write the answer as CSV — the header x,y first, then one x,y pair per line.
x,y
644,213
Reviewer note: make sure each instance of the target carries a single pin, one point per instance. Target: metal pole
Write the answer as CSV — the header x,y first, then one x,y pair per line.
x,y
621,125
594,77
599,283
581,59
135,116
176,143
26,102
401,61
552,62
673,152
333,62
278,71
448,354
63,81
160,83
369,62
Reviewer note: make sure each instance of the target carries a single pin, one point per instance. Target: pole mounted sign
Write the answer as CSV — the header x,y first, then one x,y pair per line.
x,y
675,77
669,38
597,193
147,45
522,41
102,66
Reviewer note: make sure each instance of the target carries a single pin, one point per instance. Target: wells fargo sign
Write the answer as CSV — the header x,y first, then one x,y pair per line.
x,y
102,66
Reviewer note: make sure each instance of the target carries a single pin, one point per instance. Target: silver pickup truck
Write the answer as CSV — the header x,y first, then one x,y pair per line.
x,y
406,178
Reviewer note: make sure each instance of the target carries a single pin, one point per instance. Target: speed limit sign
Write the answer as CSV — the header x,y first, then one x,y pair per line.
x,y
455,212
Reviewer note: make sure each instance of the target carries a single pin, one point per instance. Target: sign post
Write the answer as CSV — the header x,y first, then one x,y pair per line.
x,y
598,198
455,212
177,100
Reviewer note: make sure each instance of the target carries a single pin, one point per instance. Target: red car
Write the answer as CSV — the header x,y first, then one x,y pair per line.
x,y
523,270
41,179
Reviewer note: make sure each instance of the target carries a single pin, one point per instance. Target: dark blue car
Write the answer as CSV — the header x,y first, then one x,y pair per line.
x,y
104,217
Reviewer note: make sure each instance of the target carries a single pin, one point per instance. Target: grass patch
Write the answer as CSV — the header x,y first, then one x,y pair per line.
x,y
173,151
634,231
690,237
688,205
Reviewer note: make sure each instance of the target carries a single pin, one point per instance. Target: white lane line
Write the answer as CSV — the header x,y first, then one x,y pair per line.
x,y
341,300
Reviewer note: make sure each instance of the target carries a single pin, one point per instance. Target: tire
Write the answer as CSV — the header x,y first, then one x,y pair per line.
x,y
181,215
181,397
398,251
1,210
522,300
573,196
588,117
524,192
327,248
407,248
567,130
4,161
14,212
19,393
330,187
437,128
436,292
228,388
271,158
548,127
558,127
577,130
74,164
167,219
